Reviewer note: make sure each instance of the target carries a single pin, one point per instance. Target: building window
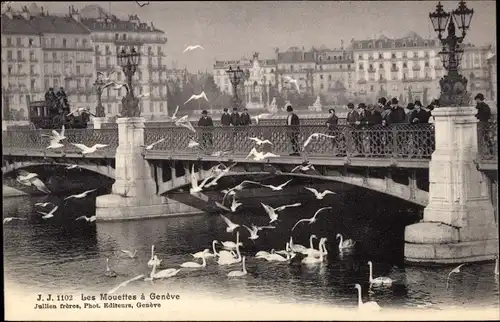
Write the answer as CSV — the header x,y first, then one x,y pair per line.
x,y
19,55
371,88
52,42
426,64
322,86
33,83
117,36
394,66
151,108
109,108
54,56
393,56
405,66
329,77
340,66
9,70
30,42
360,57
320,76
328,58
381,77
371,66
78,70
380,65
369,45
19,43
9,41
32,69
360,66
84,43
291,67
47,83
380,56
161,107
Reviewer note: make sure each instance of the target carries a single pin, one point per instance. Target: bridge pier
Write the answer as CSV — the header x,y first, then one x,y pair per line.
x,y
459,223
134,191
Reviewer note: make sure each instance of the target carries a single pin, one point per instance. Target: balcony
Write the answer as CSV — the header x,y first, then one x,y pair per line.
x,y
33,60
371,70
416,68
382,80
362,81
405,67
394,70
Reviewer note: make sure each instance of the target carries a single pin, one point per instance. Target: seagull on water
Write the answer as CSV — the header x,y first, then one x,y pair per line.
x,y
276,188
196,97
189,48
455,270
125,283
80,195
230,225
149,147
88,219
312,219
260,142
44,204
49,214
9,219
320,195
129,253
259,156
86,150
315,136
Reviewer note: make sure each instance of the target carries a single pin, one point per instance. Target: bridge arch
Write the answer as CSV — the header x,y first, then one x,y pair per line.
x,y
410,193
106,171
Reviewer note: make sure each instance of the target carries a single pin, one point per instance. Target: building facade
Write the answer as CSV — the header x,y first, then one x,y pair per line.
x,y
109,35
41,51
492,76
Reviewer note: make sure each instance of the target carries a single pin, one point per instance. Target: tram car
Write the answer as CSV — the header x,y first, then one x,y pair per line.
x,y
43,115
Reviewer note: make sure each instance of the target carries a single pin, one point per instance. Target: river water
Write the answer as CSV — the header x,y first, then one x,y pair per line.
x,y
61,253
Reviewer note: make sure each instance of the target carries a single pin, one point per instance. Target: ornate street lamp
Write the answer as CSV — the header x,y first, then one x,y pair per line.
x,y
128,60
235,76
453,85
99,110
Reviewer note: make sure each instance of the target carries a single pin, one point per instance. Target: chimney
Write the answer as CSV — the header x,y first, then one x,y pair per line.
x,y
75,14
26,14
8,13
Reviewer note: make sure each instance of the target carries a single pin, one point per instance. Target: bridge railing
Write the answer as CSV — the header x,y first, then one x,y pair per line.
x,y
34,139
397,141
487,140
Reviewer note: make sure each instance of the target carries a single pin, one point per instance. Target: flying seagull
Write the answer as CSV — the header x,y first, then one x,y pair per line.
x,y
80,195
196,97
320,195
312,219
259,141
315,136
189,48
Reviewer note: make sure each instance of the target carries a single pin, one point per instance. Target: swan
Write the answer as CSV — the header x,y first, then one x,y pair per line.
x,y
231,244
347,244
109,272
277,258
194,264
129,253
311,251
315,260
239,273
321,249
228,260
153,258
382,280
372,305
165,273
203,253
299,248
263,253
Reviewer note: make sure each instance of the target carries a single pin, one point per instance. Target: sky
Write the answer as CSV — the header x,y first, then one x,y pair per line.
x,y
235,29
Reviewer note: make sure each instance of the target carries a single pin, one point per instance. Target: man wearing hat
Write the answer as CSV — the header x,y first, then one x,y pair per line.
x,y
225,119
398,114
235,117
206,125
420,115
245,117
373,118
292,122
353,139
483,115
331,125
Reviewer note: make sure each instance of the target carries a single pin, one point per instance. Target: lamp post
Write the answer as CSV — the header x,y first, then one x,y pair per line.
x,y
235,76
453,85
99,110
128,60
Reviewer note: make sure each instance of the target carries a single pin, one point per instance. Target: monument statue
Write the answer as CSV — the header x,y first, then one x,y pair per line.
x,y
273,108
316,107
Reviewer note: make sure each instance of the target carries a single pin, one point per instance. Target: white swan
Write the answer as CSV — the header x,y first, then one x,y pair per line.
x,y
228,260
231,244
317,252
263,253
382,280
153,259
222,253
299,248
165,273
277,258
203,253
313,259
239,273
194,264
373,306
347,244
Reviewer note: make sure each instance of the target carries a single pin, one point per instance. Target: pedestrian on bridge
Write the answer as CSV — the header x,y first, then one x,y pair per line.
x,y
235,122
373,119
353,141
225,119
331,125
483,115
293,123
245,118
206,124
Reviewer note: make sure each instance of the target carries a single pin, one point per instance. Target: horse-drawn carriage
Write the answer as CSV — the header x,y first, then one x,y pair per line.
x,y
53,114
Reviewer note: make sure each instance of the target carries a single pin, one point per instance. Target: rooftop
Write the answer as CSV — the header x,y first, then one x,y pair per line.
x,y
411,39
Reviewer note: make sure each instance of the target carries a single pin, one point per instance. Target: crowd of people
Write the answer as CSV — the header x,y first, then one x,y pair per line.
x,y
360,136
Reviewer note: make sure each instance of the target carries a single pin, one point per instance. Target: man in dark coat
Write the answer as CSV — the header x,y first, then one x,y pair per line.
x,y
62,99
50,99
225,119
373,118
292,122
420,115
206,132
235,117
331,125
353,136
398,114
483,115
245,117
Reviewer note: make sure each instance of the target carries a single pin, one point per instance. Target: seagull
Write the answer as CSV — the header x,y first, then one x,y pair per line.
x,y
56,136
293,81
49,214
185,123
174,116
106,77
81,110
195,188
143,95
26,176
274,188
149,147
72,166
237,188
125,283
220,175
189,48
260,116
9,219
54,144
81,195
271,212
91,219
218,204
192,143
86,150
235,204
253,232
219,153
455,270
312,219
320,195
196,97
258,156
44,204
281,208
304,167
31,179
315,136
230,225
260,142
129,253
